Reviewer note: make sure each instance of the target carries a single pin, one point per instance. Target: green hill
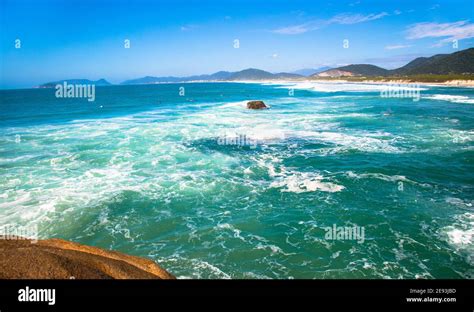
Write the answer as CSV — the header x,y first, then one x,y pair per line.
x,y
365,70
461,62
457,63
251,74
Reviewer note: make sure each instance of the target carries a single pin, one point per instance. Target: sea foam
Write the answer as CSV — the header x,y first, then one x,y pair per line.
x,y
451,98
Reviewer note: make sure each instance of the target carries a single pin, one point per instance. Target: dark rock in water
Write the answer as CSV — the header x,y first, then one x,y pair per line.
x,y
256,105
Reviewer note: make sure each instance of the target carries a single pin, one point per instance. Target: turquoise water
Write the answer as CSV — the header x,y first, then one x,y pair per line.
x,y
140,170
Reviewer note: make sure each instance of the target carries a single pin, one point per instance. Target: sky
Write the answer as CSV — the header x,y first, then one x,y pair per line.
x,y
50,40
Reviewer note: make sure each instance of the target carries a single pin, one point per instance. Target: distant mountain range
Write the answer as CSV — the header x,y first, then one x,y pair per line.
x,y
461,62
221,75
100,82
310,71
246,74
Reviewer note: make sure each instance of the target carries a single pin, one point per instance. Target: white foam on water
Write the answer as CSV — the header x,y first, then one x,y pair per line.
x,y
293,181
346,86
460,238
273,249
201,268
4,161
236,232
380,176
300,182
86,177
459,136
461,235
365,142
451,98
238,104
258,134
280,128
267,129
459,202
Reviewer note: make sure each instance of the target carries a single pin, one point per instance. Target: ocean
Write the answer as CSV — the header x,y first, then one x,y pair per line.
x,y
185,175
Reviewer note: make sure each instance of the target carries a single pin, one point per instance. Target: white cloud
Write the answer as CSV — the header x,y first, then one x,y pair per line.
x,y
343,19
188,27
397,12
450,31
347,19
397,46
295,29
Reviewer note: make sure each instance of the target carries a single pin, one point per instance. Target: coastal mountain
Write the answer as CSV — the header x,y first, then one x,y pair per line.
x,y
251,74
461,62
151,80
258,74
246,74
100,82
335,73
310,71
221,75
287,76
364,70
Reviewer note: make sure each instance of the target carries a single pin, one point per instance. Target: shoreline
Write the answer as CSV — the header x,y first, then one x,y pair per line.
x,y
449,83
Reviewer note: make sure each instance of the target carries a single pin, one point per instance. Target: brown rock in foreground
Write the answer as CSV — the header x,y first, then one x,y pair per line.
x,y
256,105
60,259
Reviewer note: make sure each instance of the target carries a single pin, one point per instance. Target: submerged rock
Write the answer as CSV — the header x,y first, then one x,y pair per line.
x,y
60,259
256,105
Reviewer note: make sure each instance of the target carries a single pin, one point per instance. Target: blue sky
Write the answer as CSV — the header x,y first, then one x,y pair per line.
x,y
85,39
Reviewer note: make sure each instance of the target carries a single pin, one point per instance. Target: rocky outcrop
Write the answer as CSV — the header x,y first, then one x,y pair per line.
x,y
256,105
60,259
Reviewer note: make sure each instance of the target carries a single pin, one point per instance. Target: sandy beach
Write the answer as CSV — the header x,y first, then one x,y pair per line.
x,y
450,83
